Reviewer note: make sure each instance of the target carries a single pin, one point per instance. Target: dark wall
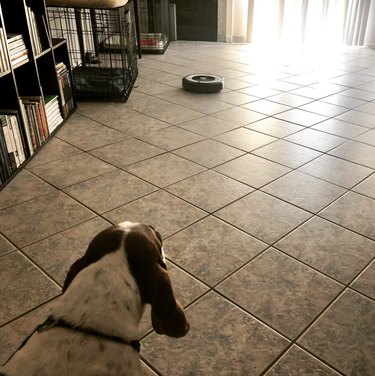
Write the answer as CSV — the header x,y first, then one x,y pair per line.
x,y
196,19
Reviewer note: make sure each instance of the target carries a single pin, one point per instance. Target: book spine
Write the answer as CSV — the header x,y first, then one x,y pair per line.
x,y
6,167
27,129
18,138
11,149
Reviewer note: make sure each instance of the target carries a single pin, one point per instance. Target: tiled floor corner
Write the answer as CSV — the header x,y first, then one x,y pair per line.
x,y
264,193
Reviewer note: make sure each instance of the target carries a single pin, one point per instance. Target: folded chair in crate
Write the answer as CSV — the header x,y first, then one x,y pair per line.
x,y
103,41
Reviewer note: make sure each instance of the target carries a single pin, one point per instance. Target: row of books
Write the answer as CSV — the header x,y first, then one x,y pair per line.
x,y
4,61
38,31
40,117
18,52
65,89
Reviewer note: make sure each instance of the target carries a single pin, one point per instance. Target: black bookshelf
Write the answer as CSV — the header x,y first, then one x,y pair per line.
x,y
33,70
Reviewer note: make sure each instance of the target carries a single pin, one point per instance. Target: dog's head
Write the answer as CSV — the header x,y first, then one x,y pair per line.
x,y
142,245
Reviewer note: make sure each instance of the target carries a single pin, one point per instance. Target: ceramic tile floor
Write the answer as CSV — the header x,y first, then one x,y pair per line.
x,y
264,192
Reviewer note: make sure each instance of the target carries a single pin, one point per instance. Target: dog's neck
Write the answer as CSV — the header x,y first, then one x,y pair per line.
x,y
103,296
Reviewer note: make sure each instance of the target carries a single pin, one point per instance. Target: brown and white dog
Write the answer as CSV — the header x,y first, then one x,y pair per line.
x,y
93,327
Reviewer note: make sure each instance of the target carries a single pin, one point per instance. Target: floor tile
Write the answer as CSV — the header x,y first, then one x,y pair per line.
x,y
109,191
209,190
26,187
331,249
344,336
354,211
23,286
304,191
151,87
301,117
367,187
340,128
138,125
234,342
245,139
126,152
220,249
280,291
297,362
164,169
356,152
365,283
87,134
71,170
368,108
54,150
325,109
359,94
206,105
287,153
166,213
266,107
239,116
252,170
171,138
48,214
279,216
336,170
174,114
5,246
209,153
208,126
359,118
317,140
260,91
343,101
367,138
275,127
57,253
290,99
12,335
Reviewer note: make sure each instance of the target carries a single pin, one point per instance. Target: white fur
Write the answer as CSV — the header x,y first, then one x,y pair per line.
x,y
103,296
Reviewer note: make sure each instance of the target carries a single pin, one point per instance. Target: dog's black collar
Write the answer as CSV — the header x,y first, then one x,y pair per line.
x,y
52,322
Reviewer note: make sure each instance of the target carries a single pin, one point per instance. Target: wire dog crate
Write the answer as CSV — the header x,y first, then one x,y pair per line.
x,y
102,46
154,25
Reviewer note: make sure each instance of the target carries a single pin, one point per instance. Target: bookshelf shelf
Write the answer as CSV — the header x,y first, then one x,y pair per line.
x,y
36,92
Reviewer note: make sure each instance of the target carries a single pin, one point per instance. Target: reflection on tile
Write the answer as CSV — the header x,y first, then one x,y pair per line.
x,y
87,134
13,334
54,150
46,215
208,126
359,118
266,107
5,246
236,98
160,209
252,170
355,212
238,115
367,138
279,217
23,187
367,187
290,99
365,283
71,170
301,117
245,139
209,190
340,128
57,253
297,362
126,152
220,249
287,153
233,343
316,140
209,153
304,191
109,191
336,170
280,291
171,138
344,336
164,169
206,105
275,127
356,152
325,109
23,286
343,101
329,248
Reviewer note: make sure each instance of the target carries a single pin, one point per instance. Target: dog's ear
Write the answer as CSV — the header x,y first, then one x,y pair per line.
x,y
155,285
